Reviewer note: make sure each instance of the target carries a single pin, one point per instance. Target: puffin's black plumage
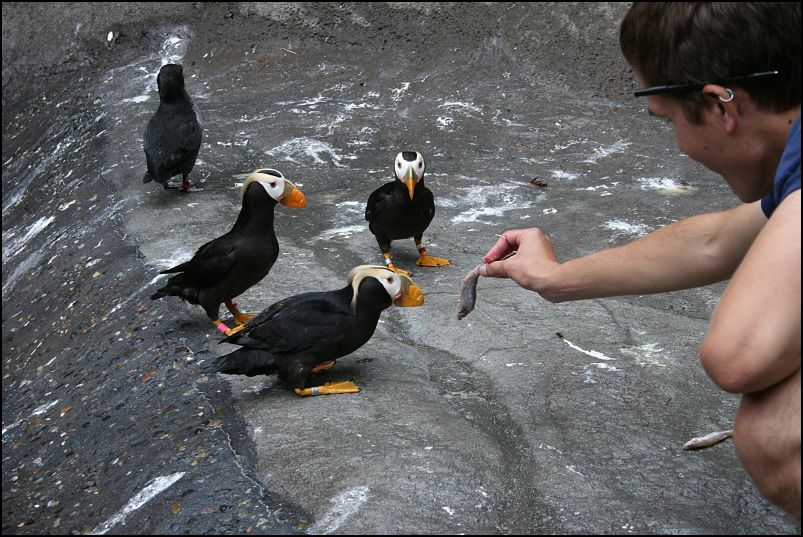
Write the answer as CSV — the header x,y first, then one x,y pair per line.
x,y
296,334
403,209
392,215
173,135
227,266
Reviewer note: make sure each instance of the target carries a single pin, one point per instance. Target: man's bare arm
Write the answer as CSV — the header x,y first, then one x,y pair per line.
x,y
692,252
754,338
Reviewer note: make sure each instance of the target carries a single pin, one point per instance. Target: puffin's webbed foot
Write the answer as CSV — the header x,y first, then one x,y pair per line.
x,y
329,388
398,270
234,330
426,260
243,318
389,263
323,367
225,330
239,317
186,188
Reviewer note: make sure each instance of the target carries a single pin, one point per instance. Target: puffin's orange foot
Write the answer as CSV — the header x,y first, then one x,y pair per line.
x,y
347,386
242,318
426,260
323,367
397,270
232,331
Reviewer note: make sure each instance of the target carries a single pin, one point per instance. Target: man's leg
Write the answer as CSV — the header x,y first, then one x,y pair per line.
x,y
766,434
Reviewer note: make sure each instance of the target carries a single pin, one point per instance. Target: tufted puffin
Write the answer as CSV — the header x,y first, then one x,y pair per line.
x,y
173,135
227,266
402,209
306,333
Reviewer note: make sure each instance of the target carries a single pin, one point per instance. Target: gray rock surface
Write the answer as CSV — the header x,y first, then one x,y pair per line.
x,y
525,417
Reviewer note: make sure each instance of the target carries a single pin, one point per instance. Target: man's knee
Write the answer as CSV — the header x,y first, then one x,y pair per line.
x,y
766,434
774,471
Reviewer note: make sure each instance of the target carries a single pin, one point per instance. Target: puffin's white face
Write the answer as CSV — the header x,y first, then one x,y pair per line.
x,y
401,289
392,283
277,186
409,164
272,181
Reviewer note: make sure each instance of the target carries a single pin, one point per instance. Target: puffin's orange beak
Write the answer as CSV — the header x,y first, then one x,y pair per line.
x,y
409,180
293,197
411,297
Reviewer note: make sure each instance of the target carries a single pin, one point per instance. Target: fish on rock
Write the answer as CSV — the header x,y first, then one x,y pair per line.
x,y
403,209
306,333
173,135
227,266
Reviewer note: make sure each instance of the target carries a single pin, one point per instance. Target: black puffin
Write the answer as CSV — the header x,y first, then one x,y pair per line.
x,y
306,333
227,266
173,135
402,209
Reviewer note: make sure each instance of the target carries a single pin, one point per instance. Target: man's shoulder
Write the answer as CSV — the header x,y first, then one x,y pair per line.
x,y
787,176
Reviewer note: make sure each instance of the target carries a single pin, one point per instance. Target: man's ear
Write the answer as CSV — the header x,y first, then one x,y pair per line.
x,y
724,105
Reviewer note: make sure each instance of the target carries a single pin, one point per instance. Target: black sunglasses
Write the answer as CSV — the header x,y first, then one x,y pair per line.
x,y
680,88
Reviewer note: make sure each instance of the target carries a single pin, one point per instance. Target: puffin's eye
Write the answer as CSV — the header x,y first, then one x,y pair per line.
x,y
398,164
390,279
273,185
420,164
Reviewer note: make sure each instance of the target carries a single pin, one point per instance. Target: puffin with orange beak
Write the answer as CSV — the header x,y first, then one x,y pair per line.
x,y
306,333
403,209
227,266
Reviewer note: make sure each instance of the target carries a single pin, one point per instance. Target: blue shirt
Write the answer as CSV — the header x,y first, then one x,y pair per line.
x,y
787,176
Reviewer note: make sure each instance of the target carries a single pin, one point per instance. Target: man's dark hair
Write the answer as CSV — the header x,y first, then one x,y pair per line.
x,y
710,42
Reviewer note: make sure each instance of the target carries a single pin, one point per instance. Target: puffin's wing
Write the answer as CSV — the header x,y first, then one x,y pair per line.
x,y
293,325
152,147
209,264
429,200
158,141
377,201
183,144
150,135
191,132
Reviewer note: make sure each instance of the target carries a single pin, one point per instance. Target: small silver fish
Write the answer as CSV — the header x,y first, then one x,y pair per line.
x,y
468,293
707,440
468,289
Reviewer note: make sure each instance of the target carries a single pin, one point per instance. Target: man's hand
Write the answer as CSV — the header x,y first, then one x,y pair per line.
x,y
531,266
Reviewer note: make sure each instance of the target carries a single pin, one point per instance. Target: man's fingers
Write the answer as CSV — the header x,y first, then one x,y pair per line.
x,y
493,270
508,242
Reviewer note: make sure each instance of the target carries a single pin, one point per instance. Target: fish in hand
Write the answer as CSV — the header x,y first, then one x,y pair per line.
x,y
468,293
468,290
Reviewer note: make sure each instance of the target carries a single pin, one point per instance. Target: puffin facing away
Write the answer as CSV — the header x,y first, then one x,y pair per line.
x,y
173,135
227,266
402,209
306,333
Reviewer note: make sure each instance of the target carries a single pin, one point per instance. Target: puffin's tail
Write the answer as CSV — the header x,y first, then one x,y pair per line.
x,y
243,361
173,288
160,293
178,268
170,289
